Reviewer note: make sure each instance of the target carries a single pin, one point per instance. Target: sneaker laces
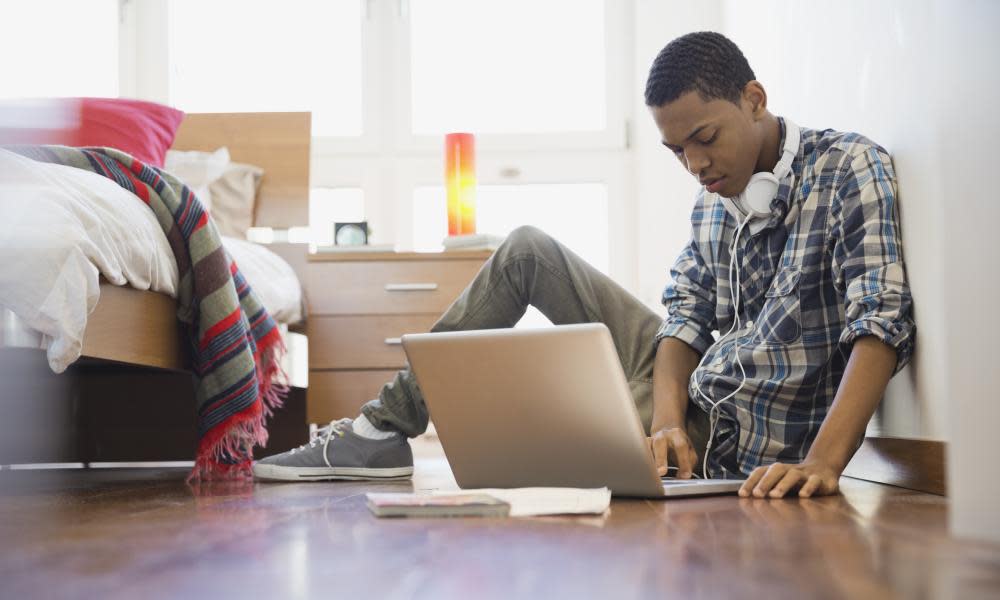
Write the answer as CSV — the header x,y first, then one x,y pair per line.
x,y
335,427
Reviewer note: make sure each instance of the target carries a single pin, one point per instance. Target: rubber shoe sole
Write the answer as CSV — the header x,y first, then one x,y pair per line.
x,y
280,473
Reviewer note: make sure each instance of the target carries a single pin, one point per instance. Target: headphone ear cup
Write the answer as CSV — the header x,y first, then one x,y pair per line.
x,y
758,194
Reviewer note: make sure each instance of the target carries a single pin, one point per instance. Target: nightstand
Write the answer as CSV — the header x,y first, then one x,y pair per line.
x,y
360,304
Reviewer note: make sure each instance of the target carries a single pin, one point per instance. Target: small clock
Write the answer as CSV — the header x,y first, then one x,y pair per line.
x,y
350,234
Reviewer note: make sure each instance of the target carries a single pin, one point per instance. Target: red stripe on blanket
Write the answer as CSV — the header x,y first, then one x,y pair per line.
x,y
269,348
140,188
208,364
209,407
202,221
270,339
260,317
218,328
104,170
267,358
188,202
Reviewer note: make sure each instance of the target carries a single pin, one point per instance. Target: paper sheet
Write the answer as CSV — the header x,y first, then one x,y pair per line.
x,y
535,501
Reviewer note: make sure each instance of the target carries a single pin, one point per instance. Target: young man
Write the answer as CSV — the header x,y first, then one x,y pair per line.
x,y
802,276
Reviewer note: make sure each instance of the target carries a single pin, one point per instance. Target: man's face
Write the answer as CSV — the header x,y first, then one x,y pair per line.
x,y
717,141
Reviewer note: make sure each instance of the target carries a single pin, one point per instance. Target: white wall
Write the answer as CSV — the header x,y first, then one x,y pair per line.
x,y
969,94
664,191
921,79
874,73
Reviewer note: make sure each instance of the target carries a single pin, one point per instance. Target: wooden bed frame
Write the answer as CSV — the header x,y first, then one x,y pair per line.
x,y
101,421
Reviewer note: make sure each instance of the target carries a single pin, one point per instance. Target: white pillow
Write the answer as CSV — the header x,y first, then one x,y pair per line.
x,y
198,170
233,198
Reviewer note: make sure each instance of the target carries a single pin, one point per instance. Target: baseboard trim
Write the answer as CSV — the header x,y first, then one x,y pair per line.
x,y
903,462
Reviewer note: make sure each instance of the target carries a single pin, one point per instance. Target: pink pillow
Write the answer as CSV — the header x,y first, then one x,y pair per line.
x,y
143,129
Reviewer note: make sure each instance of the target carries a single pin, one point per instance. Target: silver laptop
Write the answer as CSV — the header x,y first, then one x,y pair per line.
x,y
539,407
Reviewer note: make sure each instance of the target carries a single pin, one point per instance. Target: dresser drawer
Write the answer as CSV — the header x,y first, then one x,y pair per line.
x,y
386,287
339,394
362,342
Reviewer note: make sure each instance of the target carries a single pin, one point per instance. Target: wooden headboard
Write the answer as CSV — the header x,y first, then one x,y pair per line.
x,y
276,142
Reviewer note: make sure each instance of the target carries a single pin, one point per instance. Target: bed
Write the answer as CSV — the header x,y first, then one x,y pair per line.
x,y
102,421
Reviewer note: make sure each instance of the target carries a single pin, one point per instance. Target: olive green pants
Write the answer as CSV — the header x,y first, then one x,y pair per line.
x,y
531,267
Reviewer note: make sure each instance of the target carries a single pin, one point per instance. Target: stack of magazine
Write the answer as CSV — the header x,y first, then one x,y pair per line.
x,y
357,248
492,502
472,241
426,505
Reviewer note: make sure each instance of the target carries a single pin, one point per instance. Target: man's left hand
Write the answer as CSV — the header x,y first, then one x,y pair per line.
x,y
810,478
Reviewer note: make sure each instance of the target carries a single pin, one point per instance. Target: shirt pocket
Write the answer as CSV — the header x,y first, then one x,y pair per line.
x,y
780,319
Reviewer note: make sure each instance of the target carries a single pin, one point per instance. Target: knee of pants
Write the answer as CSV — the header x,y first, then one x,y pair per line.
x,y
526,236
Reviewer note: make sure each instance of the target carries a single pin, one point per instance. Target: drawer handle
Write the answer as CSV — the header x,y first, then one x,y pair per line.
x,y
410,287
393,341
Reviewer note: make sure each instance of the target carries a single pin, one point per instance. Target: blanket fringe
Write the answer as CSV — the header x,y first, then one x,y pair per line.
x,y
226,451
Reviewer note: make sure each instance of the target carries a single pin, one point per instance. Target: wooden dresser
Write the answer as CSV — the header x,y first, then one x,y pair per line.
x,y
360,303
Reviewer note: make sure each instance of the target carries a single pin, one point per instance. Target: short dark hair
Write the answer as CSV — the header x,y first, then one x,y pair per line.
x,y
707,62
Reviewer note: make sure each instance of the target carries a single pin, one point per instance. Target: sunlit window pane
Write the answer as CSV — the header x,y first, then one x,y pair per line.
x,y
517,66
333,205
576,214
59,48
261,55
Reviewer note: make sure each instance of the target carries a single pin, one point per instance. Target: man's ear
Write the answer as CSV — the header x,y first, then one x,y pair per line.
x,y
755,98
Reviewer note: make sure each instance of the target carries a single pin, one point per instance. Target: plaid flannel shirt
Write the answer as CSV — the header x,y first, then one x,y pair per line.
x,y
825,270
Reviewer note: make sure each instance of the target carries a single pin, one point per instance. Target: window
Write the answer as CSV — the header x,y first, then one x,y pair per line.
x,y
259,55
73,55
542,85
517,66
545,86
576,214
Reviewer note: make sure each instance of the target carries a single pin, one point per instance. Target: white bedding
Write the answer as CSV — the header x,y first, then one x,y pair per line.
x,y
62,227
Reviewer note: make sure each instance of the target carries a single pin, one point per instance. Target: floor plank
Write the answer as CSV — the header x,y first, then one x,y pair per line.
x,y
144,533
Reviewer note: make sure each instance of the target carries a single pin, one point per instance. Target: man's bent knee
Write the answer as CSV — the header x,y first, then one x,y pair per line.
x,y
526,236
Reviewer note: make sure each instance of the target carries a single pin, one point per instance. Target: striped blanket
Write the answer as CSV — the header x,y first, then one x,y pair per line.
x,y
235,344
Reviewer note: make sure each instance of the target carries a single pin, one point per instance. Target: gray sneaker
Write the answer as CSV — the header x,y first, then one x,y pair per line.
x,y
336,452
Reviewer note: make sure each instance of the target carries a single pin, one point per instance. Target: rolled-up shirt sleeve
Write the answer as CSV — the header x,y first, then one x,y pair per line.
x,y
690,301
867,257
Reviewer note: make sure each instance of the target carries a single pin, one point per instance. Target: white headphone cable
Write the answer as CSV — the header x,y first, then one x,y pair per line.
x,y
734,294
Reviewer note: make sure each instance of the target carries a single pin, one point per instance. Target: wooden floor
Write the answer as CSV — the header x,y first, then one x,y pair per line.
x,y
145,534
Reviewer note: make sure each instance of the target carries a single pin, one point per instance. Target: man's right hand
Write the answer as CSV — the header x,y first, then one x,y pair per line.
x,y
673,441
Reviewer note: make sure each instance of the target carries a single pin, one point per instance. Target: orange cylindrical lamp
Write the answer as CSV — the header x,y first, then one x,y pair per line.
x,y
460,182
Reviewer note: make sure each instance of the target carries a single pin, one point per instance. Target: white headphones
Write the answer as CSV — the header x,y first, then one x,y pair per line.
x,y
754,202
751,208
